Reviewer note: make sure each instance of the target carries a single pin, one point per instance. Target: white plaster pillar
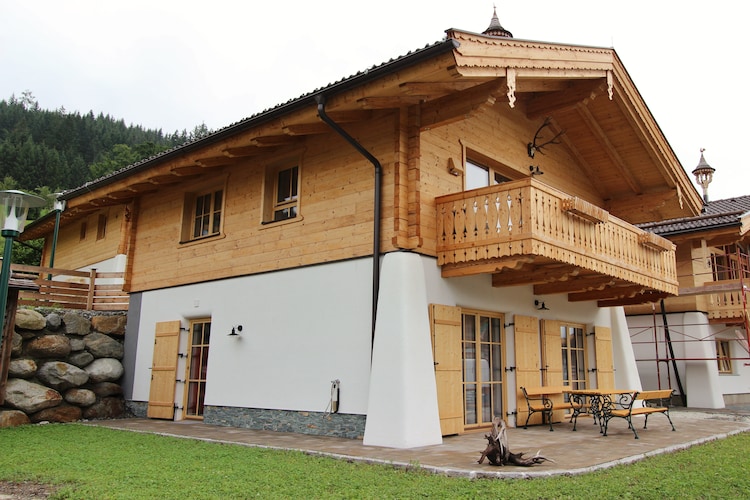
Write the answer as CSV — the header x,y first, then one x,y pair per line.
x,y
626,369
402,410
702,373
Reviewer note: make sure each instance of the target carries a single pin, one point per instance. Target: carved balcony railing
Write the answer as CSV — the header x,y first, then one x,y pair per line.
x,y
728,300
526,225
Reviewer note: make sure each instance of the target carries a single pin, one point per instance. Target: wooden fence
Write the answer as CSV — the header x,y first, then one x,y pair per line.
x,y
67,289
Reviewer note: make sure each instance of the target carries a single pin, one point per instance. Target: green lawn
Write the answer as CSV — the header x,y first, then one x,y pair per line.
x,y
98,463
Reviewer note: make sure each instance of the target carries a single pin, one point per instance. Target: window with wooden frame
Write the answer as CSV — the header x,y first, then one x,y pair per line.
x,y
202,214
281,193
482,171
101,227
82,233
724,356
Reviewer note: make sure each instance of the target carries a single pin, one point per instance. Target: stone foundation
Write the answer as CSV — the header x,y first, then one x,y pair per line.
x,y
303,422
65,366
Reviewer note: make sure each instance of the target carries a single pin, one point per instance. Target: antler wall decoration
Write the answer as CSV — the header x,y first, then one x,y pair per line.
x,y
533,147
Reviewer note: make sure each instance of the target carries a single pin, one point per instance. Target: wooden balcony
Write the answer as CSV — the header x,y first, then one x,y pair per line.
x,y
68,289
527,233
727,302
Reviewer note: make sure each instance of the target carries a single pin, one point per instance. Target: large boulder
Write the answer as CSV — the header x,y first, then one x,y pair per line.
x,y
104,389
22,368
16,345
103,346
49,346
105,408
112,325
54,321
62,413
104,370
76,324
13,418
80,397
81,359
28,319
77,344
30,397
61,376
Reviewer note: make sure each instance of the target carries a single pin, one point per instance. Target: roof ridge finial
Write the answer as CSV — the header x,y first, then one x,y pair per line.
x,y
495,28
704,174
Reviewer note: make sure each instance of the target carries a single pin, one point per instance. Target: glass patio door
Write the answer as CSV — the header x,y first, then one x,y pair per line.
x,y
482,353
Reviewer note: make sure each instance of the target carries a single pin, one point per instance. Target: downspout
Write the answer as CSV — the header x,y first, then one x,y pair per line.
x,y
321,100
668,338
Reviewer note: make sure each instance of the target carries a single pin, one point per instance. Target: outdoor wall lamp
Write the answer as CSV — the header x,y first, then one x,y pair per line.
x,y
15,209
236,330
539,305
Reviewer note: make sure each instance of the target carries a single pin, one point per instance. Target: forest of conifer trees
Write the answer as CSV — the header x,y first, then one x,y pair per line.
x,y
44,151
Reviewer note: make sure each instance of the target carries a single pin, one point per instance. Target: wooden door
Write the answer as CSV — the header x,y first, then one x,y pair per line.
x,y
164,370
605,371
528,364
446,345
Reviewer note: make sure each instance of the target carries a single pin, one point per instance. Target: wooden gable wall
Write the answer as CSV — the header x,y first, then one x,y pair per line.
x,y
77,248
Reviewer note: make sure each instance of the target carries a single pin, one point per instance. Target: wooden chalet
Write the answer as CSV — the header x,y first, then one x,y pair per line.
x,y
392,256
699,343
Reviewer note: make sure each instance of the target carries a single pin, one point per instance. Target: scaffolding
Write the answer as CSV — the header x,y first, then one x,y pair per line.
x,y
727,306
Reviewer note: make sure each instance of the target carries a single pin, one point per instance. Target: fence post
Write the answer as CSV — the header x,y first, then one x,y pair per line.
x,y
92,286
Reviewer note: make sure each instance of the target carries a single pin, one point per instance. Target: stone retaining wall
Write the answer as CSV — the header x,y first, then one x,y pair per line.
x,y
65,366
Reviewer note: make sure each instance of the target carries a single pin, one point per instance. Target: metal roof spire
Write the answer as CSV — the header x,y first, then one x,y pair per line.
x,y
495,28
704,174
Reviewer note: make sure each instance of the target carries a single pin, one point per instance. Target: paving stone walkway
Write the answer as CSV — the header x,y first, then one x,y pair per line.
x,y
578,452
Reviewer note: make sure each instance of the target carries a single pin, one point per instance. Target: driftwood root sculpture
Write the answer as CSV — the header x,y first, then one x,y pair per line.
x,y
498,453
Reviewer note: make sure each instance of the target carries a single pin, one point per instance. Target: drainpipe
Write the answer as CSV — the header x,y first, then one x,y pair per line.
x,y
321,100
668,338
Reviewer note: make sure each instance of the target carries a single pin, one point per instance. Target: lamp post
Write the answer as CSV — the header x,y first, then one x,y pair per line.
x,y
59,207
15,208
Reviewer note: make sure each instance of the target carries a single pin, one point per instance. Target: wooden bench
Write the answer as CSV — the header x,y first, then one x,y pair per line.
x,y
538,401
627,406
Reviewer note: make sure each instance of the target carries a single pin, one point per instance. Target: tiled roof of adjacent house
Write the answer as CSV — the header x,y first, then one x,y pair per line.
x,y
719,213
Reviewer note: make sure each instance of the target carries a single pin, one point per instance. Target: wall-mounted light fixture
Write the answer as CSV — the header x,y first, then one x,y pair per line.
x,y
236,330
535,170
539,305
453,170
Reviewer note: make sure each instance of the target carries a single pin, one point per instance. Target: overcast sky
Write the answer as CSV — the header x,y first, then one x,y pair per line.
x,y
174,64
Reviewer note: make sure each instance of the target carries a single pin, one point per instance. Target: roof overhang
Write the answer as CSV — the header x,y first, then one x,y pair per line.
x,y
584,91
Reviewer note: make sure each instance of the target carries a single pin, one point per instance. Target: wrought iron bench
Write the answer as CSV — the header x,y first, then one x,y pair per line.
x,y
538,401
626,406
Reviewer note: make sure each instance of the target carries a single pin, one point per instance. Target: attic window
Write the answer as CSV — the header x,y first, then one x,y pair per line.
x,y
101,227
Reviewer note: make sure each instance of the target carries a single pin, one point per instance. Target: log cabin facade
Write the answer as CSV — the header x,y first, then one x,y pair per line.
x,y
697,343
392,256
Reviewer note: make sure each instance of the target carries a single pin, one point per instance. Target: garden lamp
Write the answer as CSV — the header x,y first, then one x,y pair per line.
x,y
15,207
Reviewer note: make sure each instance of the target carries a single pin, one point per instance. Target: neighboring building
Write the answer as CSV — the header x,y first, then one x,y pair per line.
x,y
420,239
698,343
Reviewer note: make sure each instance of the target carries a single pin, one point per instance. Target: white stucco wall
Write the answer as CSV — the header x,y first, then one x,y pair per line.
x,y
301,330
304,328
